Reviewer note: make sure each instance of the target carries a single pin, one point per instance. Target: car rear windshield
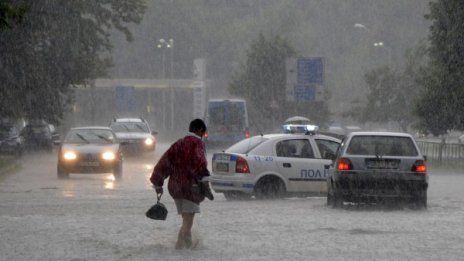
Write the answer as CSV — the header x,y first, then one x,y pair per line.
x,y
246,145
382,146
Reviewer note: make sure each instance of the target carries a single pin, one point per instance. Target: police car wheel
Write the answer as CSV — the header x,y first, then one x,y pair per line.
x,y
269,188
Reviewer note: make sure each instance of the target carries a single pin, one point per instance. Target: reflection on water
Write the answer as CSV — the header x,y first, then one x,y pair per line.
x,y
109,182
69,190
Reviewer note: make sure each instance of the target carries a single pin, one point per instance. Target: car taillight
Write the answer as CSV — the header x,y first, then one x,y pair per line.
x,y
344,164
247,134
241,166
419,166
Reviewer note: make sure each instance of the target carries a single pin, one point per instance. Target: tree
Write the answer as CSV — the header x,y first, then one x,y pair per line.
x,y
11,14
59,44
261,81
440,106
392,96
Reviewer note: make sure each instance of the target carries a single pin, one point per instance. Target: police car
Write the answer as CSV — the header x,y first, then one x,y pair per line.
x,y
274,165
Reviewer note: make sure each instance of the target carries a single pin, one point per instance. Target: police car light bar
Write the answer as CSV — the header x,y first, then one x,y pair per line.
x,y
308,129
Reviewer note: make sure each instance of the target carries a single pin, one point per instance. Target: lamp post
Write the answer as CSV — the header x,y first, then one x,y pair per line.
x,y
376,44
382,45
163,44
362,27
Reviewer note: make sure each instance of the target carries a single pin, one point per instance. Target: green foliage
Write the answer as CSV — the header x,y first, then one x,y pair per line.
x,y
262,82
11,14
60,43
392,96
440,107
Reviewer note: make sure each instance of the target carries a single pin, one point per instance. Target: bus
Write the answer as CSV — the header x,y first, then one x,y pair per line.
x,y
227,121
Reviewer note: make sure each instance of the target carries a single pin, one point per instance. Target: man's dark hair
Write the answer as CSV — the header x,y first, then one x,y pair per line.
x,y
197,125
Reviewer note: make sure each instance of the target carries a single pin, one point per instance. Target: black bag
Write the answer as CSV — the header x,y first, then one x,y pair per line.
x,y
157,211
205,190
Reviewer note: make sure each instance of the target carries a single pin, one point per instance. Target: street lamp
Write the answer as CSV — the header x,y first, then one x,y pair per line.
x,y
362,27
381,44
376,44
163,44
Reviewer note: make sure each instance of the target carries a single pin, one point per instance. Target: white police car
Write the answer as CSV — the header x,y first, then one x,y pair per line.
x,y
274,165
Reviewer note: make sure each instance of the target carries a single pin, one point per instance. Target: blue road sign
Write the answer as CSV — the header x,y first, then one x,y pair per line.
x,y
310,70
125,99
305,92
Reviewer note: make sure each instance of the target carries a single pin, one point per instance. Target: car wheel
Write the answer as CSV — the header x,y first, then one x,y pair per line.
x,y
333,199
117,171
62,174
421,200
269,188
236,195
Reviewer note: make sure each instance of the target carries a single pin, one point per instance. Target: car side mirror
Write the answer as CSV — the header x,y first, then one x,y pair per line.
x,y
57,142
154,132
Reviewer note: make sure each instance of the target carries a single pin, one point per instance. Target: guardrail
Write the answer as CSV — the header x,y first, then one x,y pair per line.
x,y
440,153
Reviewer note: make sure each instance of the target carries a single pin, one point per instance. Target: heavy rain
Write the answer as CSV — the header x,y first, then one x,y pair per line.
x,y
113,84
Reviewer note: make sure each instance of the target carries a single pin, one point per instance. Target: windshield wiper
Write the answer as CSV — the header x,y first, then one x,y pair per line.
x,y
140,128
82,138
102,137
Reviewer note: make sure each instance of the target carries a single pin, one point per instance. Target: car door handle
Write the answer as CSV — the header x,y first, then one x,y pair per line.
x,y
287,165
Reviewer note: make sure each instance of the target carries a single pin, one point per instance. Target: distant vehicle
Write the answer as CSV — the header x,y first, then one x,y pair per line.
x,y
298,124
274,165
135,133
378,166
227,121
38,136
90,150
11,143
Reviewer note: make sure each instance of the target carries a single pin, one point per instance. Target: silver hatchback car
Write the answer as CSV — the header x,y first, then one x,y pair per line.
x,y
377,166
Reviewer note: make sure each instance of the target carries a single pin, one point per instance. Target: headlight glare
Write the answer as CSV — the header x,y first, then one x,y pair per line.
x,y
148,141
69,155
108,155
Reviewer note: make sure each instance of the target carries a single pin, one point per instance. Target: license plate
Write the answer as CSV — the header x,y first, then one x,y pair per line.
x,y
223,167
90,164
382,163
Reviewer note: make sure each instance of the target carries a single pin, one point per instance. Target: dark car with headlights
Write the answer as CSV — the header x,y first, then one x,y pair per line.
x,y
90,150
11,143
135,133
378,166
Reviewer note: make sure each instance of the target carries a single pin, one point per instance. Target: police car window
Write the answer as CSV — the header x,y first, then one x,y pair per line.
x,y
246,145
327,148
294,149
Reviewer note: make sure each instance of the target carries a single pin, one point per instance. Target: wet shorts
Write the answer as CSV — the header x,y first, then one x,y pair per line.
x,y
186,206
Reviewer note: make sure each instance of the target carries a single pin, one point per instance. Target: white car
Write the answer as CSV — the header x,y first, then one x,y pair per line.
x,y
135,133
274,165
